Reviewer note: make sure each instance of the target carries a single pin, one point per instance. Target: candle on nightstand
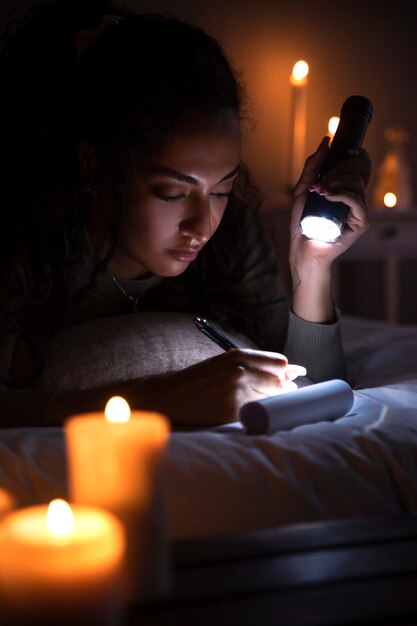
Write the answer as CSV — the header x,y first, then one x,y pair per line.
x,y
114,460
299,81
61,565
7,502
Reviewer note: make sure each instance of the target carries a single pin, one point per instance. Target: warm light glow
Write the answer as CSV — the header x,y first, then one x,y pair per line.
x,y
6,502
300,70
117,410
390,200
321,228
59,518
333,124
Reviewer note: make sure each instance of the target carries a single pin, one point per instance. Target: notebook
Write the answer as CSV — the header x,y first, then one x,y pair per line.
x,y
319,402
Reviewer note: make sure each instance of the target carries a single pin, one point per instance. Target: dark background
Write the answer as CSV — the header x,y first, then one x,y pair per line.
x,y
356,47
363,47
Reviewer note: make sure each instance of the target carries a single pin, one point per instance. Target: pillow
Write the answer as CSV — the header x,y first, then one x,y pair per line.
x,y
112,349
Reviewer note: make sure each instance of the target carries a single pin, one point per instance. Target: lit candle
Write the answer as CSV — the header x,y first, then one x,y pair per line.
x,y
390,200
332,125
114,463
7,503
298,80
61,565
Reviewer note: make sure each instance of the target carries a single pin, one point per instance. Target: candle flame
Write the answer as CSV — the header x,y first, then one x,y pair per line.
x,y
333,124
117,410
59,518
390,200
300,70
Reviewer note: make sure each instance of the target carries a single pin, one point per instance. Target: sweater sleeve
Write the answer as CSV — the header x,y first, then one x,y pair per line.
x,y
316,346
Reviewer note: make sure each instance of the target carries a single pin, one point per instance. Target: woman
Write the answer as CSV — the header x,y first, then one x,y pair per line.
x,y
123,187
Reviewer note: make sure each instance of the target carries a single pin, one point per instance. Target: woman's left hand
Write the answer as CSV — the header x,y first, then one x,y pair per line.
x,y
346,183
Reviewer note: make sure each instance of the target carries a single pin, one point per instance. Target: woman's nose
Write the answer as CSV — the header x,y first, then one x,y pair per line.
x,y
197,222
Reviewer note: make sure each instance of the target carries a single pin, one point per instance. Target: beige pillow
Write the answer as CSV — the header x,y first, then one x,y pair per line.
x,y
116,348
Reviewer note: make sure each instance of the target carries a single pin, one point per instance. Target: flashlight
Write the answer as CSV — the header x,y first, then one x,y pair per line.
x,y
322,219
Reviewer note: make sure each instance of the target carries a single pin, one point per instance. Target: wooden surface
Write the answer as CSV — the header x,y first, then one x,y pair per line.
x,y
356,572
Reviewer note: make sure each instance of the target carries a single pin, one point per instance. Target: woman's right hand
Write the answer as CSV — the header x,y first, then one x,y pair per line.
x,y
212,391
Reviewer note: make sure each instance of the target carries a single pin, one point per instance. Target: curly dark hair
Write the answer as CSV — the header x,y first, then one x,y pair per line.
x,y
125,95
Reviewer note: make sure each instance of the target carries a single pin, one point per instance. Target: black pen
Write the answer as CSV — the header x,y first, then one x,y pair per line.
x,y
214,334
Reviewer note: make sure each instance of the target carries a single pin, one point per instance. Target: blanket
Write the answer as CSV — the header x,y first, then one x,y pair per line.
x,y
362,464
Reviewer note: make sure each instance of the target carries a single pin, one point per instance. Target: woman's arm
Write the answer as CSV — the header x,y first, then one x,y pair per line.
x,y
315,345
206,394
311,261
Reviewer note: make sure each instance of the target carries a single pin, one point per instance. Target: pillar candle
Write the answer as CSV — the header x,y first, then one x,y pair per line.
x,y
299,81
114,460
61,566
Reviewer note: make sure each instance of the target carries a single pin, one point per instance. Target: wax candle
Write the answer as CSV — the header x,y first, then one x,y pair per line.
x,y
114,462
332,125
298,80
7,502
61,565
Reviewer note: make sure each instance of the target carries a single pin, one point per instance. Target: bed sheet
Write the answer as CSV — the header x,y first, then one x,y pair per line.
x,y
379,353
362,464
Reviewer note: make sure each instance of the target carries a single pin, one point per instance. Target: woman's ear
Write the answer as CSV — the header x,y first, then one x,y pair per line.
x,y
87,156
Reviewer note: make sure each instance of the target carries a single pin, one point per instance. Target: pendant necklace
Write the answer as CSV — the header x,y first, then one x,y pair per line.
x,y
134,302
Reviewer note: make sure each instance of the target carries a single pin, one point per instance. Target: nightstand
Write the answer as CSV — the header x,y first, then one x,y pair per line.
x,y
379,272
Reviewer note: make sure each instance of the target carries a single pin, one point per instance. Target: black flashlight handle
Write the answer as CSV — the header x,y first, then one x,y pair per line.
x,y
355,116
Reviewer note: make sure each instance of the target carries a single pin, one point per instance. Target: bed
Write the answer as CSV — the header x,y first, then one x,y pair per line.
x,y
363,464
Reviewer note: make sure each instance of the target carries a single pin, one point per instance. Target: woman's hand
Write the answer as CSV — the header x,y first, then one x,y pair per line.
x,y
212,392
311,261
346,183
206,394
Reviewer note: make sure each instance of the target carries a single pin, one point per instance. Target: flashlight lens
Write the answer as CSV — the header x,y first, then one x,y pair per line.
x,y
321,228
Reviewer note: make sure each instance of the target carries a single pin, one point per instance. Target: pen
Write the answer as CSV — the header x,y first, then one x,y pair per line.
x,y
214,334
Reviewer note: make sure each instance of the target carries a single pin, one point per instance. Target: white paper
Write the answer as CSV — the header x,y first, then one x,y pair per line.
x,y
315,403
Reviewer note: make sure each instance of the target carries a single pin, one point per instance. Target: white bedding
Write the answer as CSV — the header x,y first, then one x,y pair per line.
x,y
362,464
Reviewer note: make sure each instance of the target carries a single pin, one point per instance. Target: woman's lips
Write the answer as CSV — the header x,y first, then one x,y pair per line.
x,y
185,255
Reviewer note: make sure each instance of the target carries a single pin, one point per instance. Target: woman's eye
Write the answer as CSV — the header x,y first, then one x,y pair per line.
x,y
175,197
221,195
169,197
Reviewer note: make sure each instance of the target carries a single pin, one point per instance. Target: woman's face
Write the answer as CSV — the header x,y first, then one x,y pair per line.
x,y
179,198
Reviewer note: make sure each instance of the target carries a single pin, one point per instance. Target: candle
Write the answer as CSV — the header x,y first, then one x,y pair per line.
x,y
332,125
61,565
7,503
298,80
114,463
390,200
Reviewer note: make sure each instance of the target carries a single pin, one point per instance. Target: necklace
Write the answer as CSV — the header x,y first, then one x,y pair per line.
x,y
134,302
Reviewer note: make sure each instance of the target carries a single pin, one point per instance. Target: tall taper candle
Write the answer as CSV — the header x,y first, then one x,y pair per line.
x,y
299,81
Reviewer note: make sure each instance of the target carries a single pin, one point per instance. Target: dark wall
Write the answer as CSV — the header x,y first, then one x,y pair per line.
x,y
356,47
364,47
